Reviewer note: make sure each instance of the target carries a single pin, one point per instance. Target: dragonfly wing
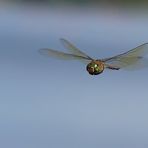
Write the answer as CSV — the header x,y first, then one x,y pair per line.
x,y
73,49
133,59
140,64
61,55
129,63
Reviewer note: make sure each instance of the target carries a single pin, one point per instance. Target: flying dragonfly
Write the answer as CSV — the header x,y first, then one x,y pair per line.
x,y
131,60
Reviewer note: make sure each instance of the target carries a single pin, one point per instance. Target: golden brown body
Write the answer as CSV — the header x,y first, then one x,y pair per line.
x,y
100,64
95,67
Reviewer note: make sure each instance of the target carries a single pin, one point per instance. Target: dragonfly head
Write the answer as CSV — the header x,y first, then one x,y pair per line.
x,y
95,67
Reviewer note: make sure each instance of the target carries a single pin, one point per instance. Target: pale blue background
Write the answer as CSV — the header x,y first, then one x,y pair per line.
x,y
48,103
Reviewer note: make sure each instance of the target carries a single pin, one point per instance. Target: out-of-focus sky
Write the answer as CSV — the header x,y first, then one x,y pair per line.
x,y
50,103
86,2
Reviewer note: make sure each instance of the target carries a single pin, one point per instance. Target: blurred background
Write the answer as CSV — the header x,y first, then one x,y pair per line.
x,y
48,103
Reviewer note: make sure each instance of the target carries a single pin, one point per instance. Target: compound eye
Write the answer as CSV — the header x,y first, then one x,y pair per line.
x,y
91,69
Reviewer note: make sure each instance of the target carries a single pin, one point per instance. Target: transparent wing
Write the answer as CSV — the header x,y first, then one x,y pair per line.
x,y
61,55
74,50
133,59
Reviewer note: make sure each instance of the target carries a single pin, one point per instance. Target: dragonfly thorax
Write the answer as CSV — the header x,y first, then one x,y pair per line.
x,y
95,67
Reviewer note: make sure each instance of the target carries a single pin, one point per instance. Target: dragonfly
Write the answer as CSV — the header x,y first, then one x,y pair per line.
x,y
133,59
